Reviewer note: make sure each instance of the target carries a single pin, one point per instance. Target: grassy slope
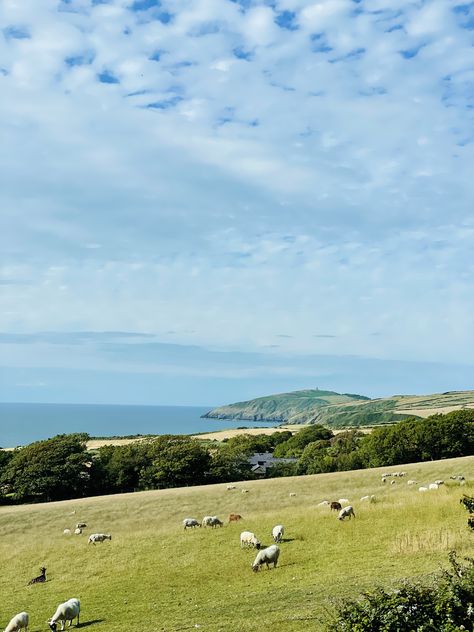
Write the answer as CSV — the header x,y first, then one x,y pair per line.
x,y
153,576
344,410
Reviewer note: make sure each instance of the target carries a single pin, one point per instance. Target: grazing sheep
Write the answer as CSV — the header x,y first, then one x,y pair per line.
x,y
292,494
386,474
384,480
411,482
99,537
277,533
66,611
335,506
422,489
233,517
433,486
81,525
323,503
266,556
343,501
245,491
77,531
366,498
40,579
67,532
189,523
346,512
439,482
229,487
470,521
247,538
211,521
19,622
393,482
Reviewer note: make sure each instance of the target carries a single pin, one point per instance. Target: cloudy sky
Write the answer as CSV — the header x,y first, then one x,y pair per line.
x,y
208,200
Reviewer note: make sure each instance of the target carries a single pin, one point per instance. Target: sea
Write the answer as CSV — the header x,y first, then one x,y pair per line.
x,y
21,424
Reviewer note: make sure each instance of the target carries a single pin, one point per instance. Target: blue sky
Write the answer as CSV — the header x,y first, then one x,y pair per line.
x,y
208,200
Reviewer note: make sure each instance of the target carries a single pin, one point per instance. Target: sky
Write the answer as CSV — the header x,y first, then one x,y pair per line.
x,y
204,201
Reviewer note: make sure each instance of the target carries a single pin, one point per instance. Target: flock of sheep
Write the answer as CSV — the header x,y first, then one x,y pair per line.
x,y
423,488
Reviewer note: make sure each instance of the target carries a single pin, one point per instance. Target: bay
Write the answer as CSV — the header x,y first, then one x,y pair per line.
x,y
21,424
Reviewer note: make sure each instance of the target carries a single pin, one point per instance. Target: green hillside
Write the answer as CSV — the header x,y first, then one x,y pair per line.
x,y
155,577
342,410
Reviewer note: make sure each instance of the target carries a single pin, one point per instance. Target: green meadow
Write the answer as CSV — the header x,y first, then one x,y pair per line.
x,y
153,576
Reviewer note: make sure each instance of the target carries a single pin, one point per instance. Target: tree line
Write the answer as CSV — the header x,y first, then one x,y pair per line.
x,y
63,467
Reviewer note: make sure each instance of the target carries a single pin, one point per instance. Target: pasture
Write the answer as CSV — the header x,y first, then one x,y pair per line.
x,y
154,576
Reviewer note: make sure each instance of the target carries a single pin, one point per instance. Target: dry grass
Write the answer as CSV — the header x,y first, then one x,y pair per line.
x,y
154,577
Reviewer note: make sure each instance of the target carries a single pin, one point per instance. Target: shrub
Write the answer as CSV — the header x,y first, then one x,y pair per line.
x,y
444,604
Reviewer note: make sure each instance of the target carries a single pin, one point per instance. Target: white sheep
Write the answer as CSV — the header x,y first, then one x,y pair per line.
x,y
324,503
422,489
292,494
346,512
343,501
99,537
77,531
439,482
247,538
67,532
66,611
267,556
370,498
188,523
211,521
245,491
433,486
229,487
277,533
19,622
81,525
393,482
411,482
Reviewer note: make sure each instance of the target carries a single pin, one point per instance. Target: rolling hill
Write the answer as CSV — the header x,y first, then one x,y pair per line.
x,y
345,410
155,577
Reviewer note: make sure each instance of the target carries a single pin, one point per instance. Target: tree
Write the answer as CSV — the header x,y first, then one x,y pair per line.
x,y
297,443
54,469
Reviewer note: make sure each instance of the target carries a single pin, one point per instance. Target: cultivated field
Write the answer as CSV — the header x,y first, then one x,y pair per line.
x,y
154,577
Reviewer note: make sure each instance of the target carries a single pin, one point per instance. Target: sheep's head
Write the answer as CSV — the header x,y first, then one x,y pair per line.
x,y
43,569
255,567
53,625
258,544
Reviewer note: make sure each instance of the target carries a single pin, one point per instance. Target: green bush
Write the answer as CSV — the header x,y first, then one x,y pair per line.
x,y
444,604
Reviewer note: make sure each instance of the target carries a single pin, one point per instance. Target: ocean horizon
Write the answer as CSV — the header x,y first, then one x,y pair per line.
x,y
21,423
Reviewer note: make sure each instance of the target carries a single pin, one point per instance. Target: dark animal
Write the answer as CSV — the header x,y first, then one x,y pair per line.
x,y
335,506
470,522
468,502
233,517
40,579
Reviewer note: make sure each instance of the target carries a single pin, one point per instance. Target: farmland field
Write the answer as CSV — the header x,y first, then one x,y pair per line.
x,y
154,577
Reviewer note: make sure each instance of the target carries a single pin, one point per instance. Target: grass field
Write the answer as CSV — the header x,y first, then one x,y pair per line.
x,y
154,577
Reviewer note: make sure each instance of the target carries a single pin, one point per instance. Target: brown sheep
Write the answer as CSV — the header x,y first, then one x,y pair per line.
x,y
233,517
335,506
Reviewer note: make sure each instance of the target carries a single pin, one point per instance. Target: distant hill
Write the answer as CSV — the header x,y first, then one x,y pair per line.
x,y
340,410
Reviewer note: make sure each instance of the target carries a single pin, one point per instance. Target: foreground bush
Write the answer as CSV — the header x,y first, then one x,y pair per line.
x,y
445,604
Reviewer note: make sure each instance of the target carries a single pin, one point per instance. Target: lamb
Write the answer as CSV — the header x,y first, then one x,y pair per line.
x,y
323,503
267,556
411,482
439,482
40,579
422,489
335,506
433,486
370,498
292,494
66,611
77,531
277,533
189,523
81,525
99,537
247,538
67,532
19,622
346,512
343,501
229,487
245,491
